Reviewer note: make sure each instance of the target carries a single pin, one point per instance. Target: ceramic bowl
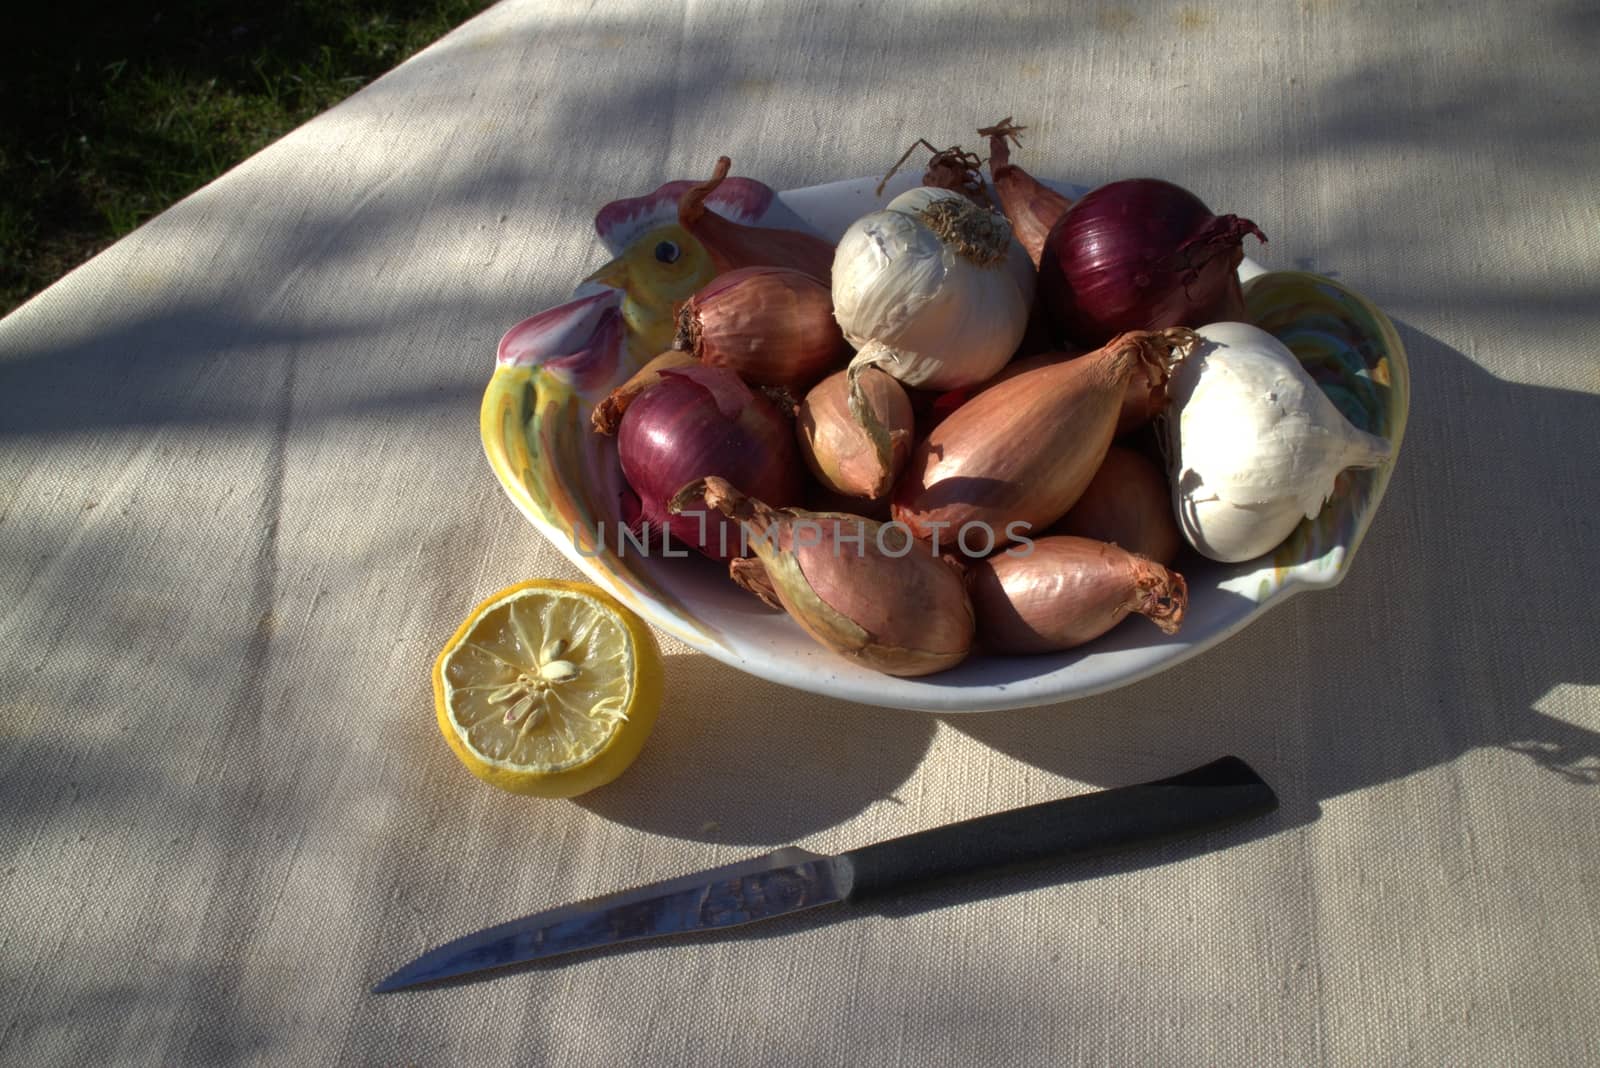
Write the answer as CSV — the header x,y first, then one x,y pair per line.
x,y
553,368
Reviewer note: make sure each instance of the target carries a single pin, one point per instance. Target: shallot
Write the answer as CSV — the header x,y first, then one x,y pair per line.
x,y
607,415
842,453
868,591
1067,591
1032,208
1024,451
772,325
1128,503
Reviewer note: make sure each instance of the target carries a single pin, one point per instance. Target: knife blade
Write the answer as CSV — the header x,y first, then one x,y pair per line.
x,y
787,880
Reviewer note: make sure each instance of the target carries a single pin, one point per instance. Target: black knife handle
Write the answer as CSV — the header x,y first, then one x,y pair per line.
x,y
1220,793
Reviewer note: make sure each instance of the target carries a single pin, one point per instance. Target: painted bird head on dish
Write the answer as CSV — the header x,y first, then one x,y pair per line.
x,y
623,314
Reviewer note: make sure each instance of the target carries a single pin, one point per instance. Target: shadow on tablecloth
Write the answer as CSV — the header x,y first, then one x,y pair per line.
x,y
1466,615
723,767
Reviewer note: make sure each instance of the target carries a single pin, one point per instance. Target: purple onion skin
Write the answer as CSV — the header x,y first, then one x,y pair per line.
x,y
699,422
1140,254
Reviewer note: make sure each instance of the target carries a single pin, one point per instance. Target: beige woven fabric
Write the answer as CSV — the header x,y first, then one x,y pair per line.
x,y
242,502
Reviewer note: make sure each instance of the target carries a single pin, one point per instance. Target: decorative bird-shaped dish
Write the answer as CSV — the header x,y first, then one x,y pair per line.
x,y
552,369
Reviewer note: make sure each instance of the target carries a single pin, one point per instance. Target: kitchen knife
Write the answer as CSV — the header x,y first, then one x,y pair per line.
x,y
787,880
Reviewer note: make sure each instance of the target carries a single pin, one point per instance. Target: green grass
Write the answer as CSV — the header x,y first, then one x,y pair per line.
x,y
108,116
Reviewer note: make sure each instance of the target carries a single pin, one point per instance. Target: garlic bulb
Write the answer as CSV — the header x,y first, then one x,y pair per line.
x,y
1253,444
932,289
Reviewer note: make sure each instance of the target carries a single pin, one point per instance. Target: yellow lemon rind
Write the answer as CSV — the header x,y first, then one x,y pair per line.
x,y
606,761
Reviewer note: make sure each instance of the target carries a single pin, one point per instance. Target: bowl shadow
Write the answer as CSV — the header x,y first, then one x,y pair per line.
x,y
722,765
1406,667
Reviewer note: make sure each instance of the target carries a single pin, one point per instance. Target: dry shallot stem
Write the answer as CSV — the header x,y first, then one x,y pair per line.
x,y
607,415
722,496
1154,353
1032,207
687,336
692,205
999,154
1162,595
732,245
952,168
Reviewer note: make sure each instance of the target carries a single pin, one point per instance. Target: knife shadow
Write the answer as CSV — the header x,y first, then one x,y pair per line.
x,y
929,897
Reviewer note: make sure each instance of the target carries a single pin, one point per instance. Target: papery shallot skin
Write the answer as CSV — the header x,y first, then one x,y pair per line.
x,y
841,452
1024,451
773,326
913,614
1140,403
865,590
1128,503
1031,207
1067,591
750,574
942,404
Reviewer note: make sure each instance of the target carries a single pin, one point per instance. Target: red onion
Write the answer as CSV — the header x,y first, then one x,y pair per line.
x,y
702,421
607,415
1141,254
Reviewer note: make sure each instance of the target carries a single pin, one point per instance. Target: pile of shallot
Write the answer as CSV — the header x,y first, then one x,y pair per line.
x,y
963,427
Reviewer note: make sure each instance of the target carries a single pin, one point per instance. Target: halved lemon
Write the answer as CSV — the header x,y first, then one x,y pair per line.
x,y
549,688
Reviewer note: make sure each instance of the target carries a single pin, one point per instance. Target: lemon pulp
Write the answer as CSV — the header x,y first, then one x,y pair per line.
x,y
548,688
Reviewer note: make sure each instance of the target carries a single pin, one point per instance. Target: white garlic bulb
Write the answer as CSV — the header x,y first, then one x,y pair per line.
x,y
1253,443
932,289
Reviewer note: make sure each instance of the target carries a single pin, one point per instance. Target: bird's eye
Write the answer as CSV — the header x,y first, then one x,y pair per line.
x,y
667,252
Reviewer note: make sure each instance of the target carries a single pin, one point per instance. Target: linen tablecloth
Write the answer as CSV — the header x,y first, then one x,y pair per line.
x,y
243,502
